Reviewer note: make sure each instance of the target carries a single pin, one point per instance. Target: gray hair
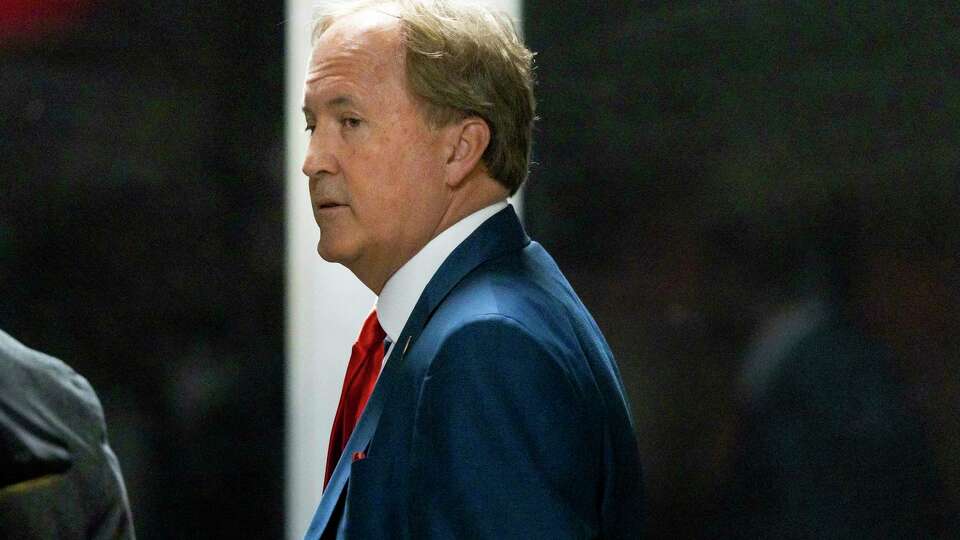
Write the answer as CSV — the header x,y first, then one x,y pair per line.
x,y
464,60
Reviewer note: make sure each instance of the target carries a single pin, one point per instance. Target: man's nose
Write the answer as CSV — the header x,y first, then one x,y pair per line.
x,y
320,159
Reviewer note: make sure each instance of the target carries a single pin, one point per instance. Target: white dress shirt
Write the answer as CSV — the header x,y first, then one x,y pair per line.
x,y
401,292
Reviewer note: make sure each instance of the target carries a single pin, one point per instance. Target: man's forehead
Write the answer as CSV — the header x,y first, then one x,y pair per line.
x,y
371,28
363,44
356,54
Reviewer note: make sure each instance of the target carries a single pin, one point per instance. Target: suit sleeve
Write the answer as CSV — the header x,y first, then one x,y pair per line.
x,y
503,446
87,498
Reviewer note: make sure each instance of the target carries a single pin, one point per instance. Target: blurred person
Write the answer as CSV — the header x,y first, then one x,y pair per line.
x,y
830,448
828,444
59,477
499,411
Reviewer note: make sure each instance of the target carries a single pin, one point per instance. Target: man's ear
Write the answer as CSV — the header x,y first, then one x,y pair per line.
x,y
468,140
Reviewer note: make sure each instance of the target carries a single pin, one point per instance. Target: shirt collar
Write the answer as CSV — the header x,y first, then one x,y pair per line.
x,y
401,292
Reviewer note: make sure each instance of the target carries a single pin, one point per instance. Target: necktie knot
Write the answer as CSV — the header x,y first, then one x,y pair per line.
x,y
371,334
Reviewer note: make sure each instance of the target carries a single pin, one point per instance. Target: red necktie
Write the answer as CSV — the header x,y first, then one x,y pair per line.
x,y
366,359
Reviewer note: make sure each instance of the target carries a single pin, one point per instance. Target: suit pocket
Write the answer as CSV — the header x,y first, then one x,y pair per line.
x,y
365,508
361,472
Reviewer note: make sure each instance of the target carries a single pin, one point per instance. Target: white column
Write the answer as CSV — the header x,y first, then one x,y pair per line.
x,y
325,303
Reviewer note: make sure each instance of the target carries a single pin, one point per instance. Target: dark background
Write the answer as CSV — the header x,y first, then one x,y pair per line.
x,y
141,241
733,188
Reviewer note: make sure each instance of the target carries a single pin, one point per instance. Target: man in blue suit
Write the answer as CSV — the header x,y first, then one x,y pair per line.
x,y
481,399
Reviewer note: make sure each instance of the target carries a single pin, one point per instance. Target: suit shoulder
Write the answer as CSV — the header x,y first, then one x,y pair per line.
x,y
511,287
527,287
484,316
489,325
28,373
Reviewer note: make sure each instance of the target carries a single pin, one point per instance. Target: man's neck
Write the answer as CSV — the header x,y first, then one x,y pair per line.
x,y
469,198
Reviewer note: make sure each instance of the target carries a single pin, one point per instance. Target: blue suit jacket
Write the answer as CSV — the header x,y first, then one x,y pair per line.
x,y
501,414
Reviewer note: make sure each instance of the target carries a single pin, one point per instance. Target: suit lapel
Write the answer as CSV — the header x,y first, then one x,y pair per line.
x,y
497,236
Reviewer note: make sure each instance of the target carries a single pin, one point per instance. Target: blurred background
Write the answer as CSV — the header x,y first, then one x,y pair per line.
x,y
759,203
141,240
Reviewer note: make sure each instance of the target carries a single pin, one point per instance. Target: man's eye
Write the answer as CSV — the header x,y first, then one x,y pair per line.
x,y
350,122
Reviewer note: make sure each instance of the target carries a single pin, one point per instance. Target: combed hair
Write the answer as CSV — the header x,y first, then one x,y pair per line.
x,y
464,60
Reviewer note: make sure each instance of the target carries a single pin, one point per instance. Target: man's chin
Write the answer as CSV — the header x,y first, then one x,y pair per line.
x,y
325,253
331,253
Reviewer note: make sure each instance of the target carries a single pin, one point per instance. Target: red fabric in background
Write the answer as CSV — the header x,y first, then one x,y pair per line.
x,y
33,19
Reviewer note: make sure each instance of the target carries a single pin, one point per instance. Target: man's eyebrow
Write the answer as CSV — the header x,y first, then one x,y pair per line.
x,y
333,103
340,101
